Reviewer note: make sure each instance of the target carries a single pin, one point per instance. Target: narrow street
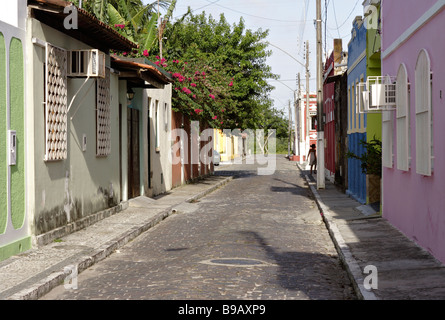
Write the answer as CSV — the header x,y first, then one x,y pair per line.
x,y
259,237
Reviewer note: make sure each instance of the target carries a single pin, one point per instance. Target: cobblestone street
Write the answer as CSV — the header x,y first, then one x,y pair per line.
x,y
258,237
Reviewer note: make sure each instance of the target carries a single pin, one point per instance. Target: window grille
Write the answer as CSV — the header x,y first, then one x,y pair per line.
x,y
55,103
103,116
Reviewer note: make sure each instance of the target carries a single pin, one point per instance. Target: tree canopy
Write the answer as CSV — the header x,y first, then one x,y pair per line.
x,y
220,71
233,59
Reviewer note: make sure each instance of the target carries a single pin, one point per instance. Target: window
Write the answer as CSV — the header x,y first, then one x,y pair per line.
x,y
55,103
424,137
349,109
387,139
166,116
353,108
403,113
103,115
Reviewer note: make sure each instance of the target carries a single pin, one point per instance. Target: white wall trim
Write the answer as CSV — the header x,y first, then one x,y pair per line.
x,y
427,16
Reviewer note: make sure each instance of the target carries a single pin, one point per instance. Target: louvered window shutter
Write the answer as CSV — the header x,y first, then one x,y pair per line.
x,y
403,135
387,139
423,115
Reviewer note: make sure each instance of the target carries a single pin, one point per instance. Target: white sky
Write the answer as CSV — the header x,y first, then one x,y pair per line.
x,y
290,24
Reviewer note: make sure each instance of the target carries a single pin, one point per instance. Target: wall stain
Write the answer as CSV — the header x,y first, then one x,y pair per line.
x,y
56,217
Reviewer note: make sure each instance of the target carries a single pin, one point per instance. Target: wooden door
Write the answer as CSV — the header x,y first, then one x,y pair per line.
x,y
134,185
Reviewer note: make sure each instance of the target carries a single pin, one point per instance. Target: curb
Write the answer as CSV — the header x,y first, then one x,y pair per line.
x,y
350,263
45,285
209,190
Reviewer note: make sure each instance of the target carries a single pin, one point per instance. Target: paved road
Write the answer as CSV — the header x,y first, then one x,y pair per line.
x,y
259,237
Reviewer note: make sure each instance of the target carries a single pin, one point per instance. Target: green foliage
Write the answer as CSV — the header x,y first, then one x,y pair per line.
x,y
131,18
372,157
201,90
236,59
232,92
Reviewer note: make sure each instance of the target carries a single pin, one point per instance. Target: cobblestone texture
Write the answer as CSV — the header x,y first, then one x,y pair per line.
x,y
267,218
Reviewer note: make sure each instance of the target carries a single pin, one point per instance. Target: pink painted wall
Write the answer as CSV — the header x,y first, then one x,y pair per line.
x,y
399,15
413,203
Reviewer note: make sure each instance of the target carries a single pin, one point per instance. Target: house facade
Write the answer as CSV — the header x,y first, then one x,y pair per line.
x,y
192,145
372,10
335,114
15,220
74,124
357,125
414,152
146,163
306,119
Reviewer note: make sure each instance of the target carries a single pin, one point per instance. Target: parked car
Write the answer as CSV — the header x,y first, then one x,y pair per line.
x,y
216,158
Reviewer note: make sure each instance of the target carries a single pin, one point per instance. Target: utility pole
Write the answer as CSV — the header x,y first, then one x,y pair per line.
x,y
297,117
320,124
308,75
290,131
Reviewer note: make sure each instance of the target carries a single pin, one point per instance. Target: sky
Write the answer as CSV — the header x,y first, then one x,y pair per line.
x,y
290,24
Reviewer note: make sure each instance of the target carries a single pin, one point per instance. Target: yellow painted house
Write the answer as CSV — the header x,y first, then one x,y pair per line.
x,y
228,145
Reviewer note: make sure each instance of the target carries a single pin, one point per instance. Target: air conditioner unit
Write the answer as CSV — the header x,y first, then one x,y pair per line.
x,y
383,93
86,63
377,94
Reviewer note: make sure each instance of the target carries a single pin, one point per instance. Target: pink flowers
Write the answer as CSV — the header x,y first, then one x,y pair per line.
x,y
179,76
231,84
215,117
145,53
198,111
186,90
193,85
121,26
212,96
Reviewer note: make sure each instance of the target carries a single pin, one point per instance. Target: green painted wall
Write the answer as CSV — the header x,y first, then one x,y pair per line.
x,y
17,121
15,248
3,167
373,68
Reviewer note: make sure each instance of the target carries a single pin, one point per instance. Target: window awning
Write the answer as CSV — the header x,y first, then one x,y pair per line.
x,y
90,30
140,74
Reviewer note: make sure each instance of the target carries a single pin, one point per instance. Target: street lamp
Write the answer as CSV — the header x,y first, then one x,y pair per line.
x,y
130,94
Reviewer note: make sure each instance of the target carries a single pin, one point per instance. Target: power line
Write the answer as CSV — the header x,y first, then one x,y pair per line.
x,y
209,4
285,53
251,15
336,22
347,19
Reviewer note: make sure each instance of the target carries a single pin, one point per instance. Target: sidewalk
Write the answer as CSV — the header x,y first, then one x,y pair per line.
x,y
34,273
405,271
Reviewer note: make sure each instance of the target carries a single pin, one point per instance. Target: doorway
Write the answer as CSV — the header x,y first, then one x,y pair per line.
x,y
134,180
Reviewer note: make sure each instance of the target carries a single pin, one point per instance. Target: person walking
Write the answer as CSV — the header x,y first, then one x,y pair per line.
x,y
312,156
